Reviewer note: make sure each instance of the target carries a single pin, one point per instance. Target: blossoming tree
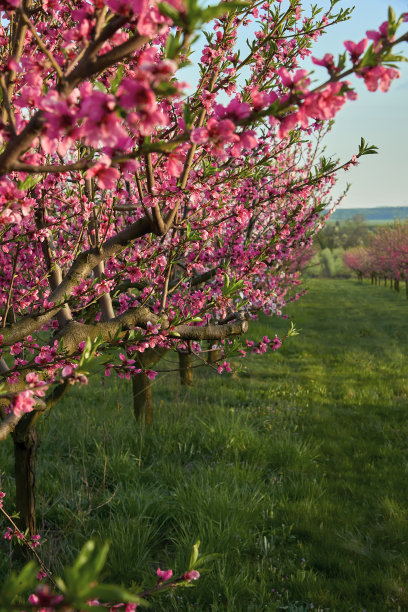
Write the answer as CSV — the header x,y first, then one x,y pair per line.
x,y
135,219
386,257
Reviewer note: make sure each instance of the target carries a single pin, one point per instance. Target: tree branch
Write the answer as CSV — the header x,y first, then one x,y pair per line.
x,y
79,270
74,333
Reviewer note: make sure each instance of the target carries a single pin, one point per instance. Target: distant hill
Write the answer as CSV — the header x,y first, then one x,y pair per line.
x,y
385,214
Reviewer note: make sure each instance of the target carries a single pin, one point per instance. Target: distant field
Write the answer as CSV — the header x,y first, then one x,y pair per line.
x,y
382,214
294,470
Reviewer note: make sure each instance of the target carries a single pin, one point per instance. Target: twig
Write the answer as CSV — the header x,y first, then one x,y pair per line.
x,y
10,291
7,105
40,43
28,544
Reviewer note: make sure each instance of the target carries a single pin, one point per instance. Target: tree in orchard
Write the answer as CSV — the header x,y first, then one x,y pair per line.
x,y
389,253
134,219
358,260
385,257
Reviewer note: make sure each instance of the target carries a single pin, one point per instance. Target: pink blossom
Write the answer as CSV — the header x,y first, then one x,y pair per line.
x,y
355,49
379,75
247,140
164,575
151,374
224,366
9,5
106,175
23,402
326,62
217,133
379,37
191,575
235,110
44,597
175,163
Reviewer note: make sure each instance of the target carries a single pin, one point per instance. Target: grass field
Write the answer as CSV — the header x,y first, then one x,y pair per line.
x,y
294,470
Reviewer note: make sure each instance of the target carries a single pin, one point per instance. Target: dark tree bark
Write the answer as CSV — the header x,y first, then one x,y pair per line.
x,y
142,398
26,442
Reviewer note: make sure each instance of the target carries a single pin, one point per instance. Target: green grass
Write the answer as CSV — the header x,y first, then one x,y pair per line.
x,y
294,469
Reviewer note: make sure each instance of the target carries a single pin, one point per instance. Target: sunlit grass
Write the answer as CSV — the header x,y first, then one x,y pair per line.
x,y
294,470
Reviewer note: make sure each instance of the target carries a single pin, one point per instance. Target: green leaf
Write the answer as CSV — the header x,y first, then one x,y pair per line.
x,y
188,116
212,12
29,182
194,555
172,46
101,87
392,17
169,11
114,84
114,593
16,584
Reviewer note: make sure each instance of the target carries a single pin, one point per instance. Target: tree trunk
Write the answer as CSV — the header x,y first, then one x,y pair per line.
x,y
385,281
406,288
26,442
186,373
213,355
142,398
396,285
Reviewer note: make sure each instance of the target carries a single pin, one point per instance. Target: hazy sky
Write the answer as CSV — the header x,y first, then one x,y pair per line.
x,y
381,118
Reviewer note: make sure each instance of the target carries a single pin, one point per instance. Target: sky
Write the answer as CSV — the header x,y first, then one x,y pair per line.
x,y
380,118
